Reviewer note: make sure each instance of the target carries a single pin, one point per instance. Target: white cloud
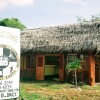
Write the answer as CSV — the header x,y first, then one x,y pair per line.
x,y
14,3
82,2
3,4
21,2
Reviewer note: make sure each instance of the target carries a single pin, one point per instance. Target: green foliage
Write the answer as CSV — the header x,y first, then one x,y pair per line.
x,y
74,65
81,83
94,18
12,22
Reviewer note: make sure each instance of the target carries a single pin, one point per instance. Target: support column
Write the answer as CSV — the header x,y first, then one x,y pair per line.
x,y
31,56
24,61
99,73
91,70
61,68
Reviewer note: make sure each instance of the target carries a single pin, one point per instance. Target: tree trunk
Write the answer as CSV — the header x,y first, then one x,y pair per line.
x,y
75,78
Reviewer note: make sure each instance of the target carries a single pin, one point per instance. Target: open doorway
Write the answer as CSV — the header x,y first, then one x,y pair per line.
x,y
54,67
51,67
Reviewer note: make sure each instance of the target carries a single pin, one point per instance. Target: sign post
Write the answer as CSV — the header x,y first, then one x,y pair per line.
x,y
9,62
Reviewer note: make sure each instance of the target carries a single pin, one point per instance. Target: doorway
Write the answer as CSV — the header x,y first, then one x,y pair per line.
x,y
50,66
54,67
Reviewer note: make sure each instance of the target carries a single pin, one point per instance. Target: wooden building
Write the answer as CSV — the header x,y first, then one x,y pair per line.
x,y
45,52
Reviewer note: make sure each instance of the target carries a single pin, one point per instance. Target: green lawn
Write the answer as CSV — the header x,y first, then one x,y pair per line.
x,y
50,90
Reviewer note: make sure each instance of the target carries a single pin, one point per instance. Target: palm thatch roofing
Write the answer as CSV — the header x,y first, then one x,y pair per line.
x,y
77,37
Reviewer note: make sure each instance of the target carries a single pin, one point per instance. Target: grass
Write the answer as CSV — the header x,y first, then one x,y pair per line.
x,y
27,92
50,90
86,87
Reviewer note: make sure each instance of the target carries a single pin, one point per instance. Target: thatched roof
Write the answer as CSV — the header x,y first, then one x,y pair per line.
x,y
79,37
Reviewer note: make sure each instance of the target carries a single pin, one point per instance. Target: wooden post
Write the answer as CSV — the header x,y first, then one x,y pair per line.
x,y
82,75
99,73
61,68
91,70
24,67
66,73
24,61
31,66
82,63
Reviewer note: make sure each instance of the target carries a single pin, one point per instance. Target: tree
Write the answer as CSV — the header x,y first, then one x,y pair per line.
x,y
12,22
94,18
73,66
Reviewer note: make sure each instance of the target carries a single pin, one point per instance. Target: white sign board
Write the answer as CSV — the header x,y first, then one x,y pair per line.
x,y
9,62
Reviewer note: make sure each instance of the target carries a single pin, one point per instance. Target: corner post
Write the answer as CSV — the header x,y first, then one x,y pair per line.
x,y
91,70
61,68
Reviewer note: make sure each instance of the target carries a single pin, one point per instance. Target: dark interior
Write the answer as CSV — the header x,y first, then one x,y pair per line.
x,y
52,67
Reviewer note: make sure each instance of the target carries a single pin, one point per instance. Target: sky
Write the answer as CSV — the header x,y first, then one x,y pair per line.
x,y
44,13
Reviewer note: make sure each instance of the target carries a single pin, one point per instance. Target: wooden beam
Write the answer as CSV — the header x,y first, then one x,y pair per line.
x,y
91,70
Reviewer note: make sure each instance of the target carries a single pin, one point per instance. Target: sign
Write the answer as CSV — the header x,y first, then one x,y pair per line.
x,y
9,62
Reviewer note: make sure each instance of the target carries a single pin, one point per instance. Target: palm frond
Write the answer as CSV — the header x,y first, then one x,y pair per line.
x,y
74,65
